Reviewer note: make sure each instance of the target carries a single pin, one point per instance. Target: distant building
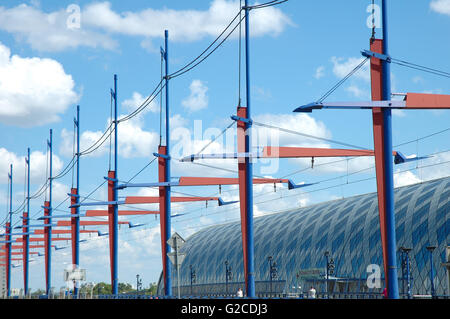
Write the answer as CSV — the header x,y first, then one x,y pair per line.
x,y
2,282
348,229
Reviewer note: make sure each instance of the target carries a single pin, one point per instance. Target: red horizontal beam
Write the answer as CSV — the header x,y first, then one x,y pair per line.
x,y
15,247
86,223
427,101
17,253
92,213
155,199
205,181
62,231
42,239
13,259
298,152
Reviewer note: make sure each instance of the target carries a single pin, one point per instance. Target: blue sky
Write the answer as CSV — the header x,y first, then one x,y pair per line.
x,y
299,50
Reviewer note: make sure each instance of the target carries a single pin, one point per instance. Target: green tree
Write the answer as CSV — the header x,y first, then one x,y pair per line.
x,y
38,292
102,288
125,288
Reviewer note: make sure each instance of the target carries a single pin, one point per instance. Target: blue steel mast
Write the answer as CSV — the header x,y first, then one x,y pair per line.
x,y
167,223
248,165
391,270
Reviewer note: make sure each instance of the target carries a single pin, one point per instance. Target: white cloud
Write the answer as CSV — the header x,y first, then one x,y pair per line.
x,y
357,91
198,99
38,165
343,66
320,72
184,25
52,31
437,166
133,140
49,31
399,113
405,178
441,6
137,100
261,94
33,91
298,122
418,79
59,192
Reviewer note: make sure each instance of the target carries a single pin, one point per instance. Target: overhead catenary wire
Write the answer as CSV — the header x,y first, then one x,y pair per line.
x,y
190,226
307,135
345,78
420,67
188,67
174,75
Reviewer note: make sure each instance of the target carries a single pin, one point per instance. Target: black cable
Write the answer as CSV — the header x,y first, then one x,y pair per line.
x,y
205,57
267,4
94,146
144,104
174,74
423,70
340,82
423,137
215,138
135,175
420,67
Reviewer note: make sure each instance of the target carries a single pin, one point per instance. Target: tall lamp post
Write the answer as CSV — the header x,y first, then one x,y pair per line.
x,y
272,271
228,275
138,283
327,255
406,269
193,276
433,291
330,268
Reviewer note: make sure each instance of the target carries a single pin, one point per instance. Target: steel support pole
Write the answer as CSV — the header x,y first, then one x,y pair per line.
x,y
115,234
76,220
250,289
327,273
49,221
8,259
408,276
166,223
48,247
9,237
432,288
391,244
26,242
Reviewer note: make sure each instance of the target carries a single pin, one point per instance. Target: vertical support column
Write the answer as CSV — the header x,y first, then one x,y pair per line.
x,y
48,254
26,238
165,221
8,259
74,230
113,212
48,246
113,229
9,236
164,176
382,125
376,45
75,199
25,251
248,171
242,112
